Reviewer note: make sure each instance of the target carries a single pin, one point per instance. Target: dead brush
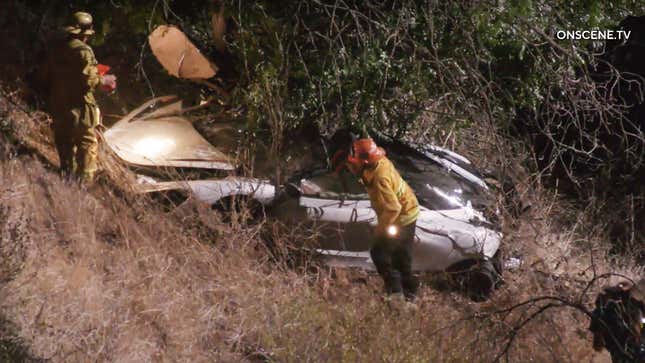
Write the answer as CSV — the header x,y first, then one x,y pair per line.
x,y
156,291
564,251
102,277
95,296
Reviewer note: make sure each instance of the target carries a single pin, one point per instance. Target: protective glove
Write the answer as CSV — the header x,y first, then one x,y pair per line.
x,y
108,83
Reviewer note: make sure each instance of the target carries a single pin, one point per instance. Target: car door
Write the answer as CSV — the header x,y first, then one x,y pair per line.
x,y
343,224
342,213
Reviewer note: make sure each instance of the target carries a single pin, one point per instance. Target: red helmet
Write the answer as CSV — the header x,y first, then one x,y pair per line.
x,y
365,151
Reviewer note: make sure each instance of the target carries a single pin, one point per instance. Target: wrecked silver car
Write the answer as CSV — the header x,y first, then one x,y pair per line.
x,y
452,231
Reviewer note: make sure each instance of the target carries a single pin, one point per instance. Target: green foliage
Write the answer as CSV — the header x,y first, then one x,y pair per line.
x,y
369,63
377,64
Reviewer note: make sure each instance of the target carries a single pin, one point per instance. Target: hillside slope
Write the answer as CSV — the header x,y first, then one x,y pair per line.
x,y
100,275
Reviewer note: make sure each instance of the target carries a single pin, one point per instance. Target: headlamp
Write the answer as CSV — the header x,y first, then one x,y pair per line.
x,y
392,230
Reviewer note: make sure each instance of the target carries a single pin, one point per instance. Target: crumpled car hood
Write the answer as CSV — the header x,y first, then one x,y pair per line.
x,y
169,141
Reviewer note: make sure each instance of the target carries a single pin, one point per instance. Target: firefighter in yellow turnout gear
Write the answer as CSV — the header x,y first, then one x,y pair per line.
x,y
397,210
73,76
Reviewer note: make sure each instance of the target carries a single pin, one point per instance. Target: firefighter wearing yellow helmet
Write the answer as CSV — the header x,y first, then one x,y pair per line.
x,y
73,76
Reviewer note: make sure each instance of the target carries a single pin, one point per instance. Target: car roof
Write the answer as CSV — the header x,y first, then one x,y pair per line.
x,y
447,159
441,179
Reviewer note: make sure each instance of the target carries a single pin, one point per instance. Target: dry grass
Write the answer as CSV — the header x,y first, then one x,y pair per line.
x,y
94,276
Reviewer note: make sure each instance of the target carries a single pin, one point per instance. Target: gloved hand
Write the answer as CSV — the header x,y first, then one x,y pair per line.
x,y
108,83
100,127
337,161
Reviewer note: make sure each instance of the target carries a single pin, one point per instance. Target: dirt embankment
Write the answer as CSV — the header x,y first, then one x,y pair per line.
x,y
91,276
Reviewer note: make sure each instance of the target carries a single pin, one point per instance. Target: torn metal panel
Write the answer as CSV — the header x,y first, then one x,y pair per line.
x,y
212,191
164,142
178,55
171,109
132,115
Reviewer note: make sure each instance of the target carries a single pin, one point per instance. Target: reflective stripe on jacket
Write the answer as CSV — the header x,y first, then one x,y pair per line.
x,y
391,197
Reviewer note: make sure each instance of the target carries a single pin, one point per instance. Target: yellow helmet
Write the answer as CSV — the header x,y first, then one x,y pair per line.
x,y
81,24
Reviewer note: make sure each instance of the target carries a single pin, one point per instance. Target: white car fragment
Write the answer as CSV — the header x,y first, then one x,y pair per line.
x,y
159,140
178,55
166,141
211,191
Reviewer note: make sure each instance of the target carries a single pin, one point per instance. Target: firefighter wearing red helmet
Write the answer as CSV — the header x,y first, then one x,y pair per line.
x,y
397,210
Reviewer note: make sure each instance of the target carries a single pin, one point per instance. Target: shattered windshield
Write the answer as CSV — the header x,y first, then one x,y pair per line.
x,y
435,187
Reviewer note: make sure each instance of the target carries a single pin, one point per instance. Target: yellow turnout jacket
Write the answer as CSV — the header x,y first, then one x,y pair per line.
x,y
391,197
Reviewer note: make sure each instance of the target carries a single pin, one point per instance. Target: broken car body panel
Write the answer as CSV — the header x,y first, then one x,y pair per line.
x,y
164,142
213,191
156,139
178,55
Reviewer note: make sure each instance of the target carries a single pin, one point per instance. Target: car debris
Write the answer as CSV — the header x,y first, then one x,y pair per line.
x,y
452,231
155,137
513,263
178,55
159,140
182,59
453,234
